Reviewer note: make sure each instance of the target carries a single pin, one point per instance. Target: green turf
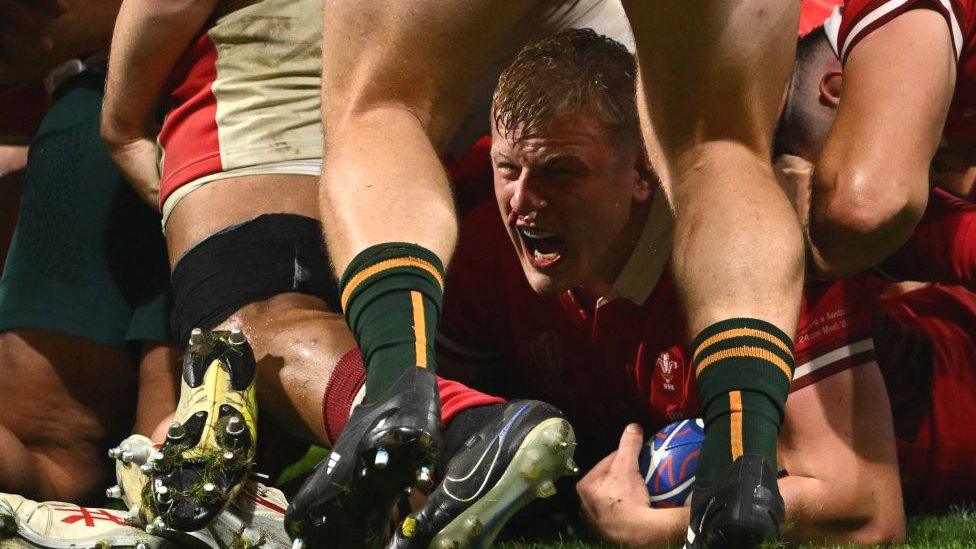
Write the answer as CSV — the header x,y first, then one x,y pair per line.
x,y
956,530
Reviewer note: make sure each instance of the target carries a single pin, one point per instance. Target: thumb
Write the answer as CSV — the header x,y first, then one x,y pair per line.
x,y
631,442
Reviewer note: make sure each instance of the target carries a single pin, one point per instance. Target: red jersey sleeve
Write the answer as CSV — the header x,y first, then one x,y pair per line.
x,y
862,17
834,332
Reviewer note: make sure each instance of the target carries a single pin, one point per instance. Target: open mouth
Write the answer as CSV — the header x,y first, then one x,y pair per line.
x,y
543,248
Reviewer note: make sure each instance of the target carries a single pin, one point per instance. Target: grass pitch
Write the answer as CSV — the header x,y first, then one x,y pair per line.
x,y
956,530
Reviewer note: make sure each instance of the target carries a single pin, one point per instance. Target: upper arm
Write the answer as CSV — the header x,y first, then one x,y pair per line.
x,y
898,84
837,444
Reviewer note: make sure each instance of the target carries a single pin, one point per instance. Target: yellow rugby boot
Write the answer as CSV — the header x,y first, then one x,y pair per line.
x,y
210,445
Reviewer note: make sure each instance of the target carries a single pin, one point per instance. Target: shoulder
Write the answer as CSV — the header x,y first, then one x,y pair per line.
x,y
862,17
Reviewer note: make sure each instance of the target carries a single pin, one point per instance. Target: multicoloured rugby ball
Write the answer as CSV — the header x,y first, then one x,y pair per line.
x,y
668,461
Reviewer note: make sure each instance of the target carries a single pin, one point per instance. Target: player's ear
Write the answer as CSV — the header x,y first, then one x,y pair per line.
x,y
830,86
646,178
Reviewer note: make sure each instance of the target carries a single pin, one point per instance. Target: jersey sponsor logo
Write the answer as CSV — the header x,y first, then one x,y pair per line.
x,y
669,368
88,515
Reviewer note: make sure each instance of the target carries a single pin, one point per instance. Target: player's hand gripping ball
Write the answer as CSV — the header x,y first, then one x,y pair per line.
x,y
668,461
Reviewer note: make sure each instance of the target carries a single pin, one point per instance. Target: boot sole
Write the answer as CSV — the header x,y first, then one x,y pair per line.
x,y
193,508
544,455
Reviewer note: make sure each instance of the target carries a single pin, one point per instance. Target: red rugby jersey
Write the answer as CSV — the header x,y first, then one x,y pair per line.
x,y
861,17
627,359
933,393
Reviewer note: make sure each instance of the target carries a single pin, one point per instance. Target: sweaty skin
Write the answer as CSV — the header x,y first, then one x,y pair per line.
x,y
390,113
871,182
297,341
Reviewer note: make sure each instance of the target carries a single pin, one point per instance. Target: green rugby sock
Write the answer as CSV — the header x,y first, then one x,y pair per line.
x,y
744,367
392,295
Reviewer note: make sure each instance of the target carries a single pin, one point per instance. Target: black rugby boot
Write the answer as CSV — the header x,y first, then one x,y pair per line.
x,y
513,459
744,510
210,445
385,449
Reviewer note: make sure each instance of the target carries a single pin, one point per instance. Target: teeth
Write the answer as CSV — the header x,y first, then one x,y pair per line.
x,y
547,257
535,233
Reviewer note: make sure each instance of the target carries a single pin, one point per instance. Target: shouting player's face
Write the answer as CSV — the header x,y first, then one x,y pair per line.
x,y
567,196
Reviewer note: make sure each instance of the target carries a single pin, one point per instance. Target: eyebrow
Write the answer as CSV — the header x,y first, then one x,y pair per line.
x,y
552,158
499,155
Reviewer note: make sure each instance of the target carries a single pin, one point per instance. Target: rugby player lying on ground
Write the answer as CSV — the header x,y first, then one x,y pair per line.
x,y
83,298
926,350
585,313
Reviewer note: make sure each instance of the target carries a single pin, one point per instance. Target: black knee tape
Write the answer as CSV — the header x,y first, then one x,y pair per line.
x,y
253,261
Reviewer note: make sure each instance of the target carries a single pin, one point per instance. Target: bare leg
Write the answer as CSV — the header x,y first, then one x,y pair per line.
x,y
65,400
396,78
296,340
713,77
295,359
386,114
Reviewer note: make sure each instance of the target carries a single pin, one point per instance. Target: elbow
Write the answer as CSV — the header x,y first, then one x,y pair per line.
x,y
876,202
860,217
877,532
113,135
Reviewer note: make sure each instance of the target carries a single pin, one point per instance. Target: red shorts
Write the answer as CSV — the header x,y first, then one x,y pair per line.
x,y
938,460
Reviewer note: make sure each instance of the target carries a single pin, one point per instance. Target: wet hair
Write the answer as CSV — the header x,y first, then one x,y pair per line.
x,y
791,128
568,73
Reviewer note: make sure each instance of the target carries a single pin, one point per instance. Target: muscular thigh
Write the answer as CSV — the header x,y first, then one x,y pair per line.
x,y
712,70
57,388
421,55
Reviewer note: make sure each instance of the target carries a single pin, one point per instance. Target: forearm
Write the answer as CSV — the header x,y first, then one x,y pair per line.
x,y
943,246
652,528
149,38
809,518
158,389
818,512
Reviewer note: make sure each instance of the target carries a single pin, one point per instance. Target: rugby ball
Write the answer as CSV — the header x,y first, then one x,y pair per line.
x,y
668,461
